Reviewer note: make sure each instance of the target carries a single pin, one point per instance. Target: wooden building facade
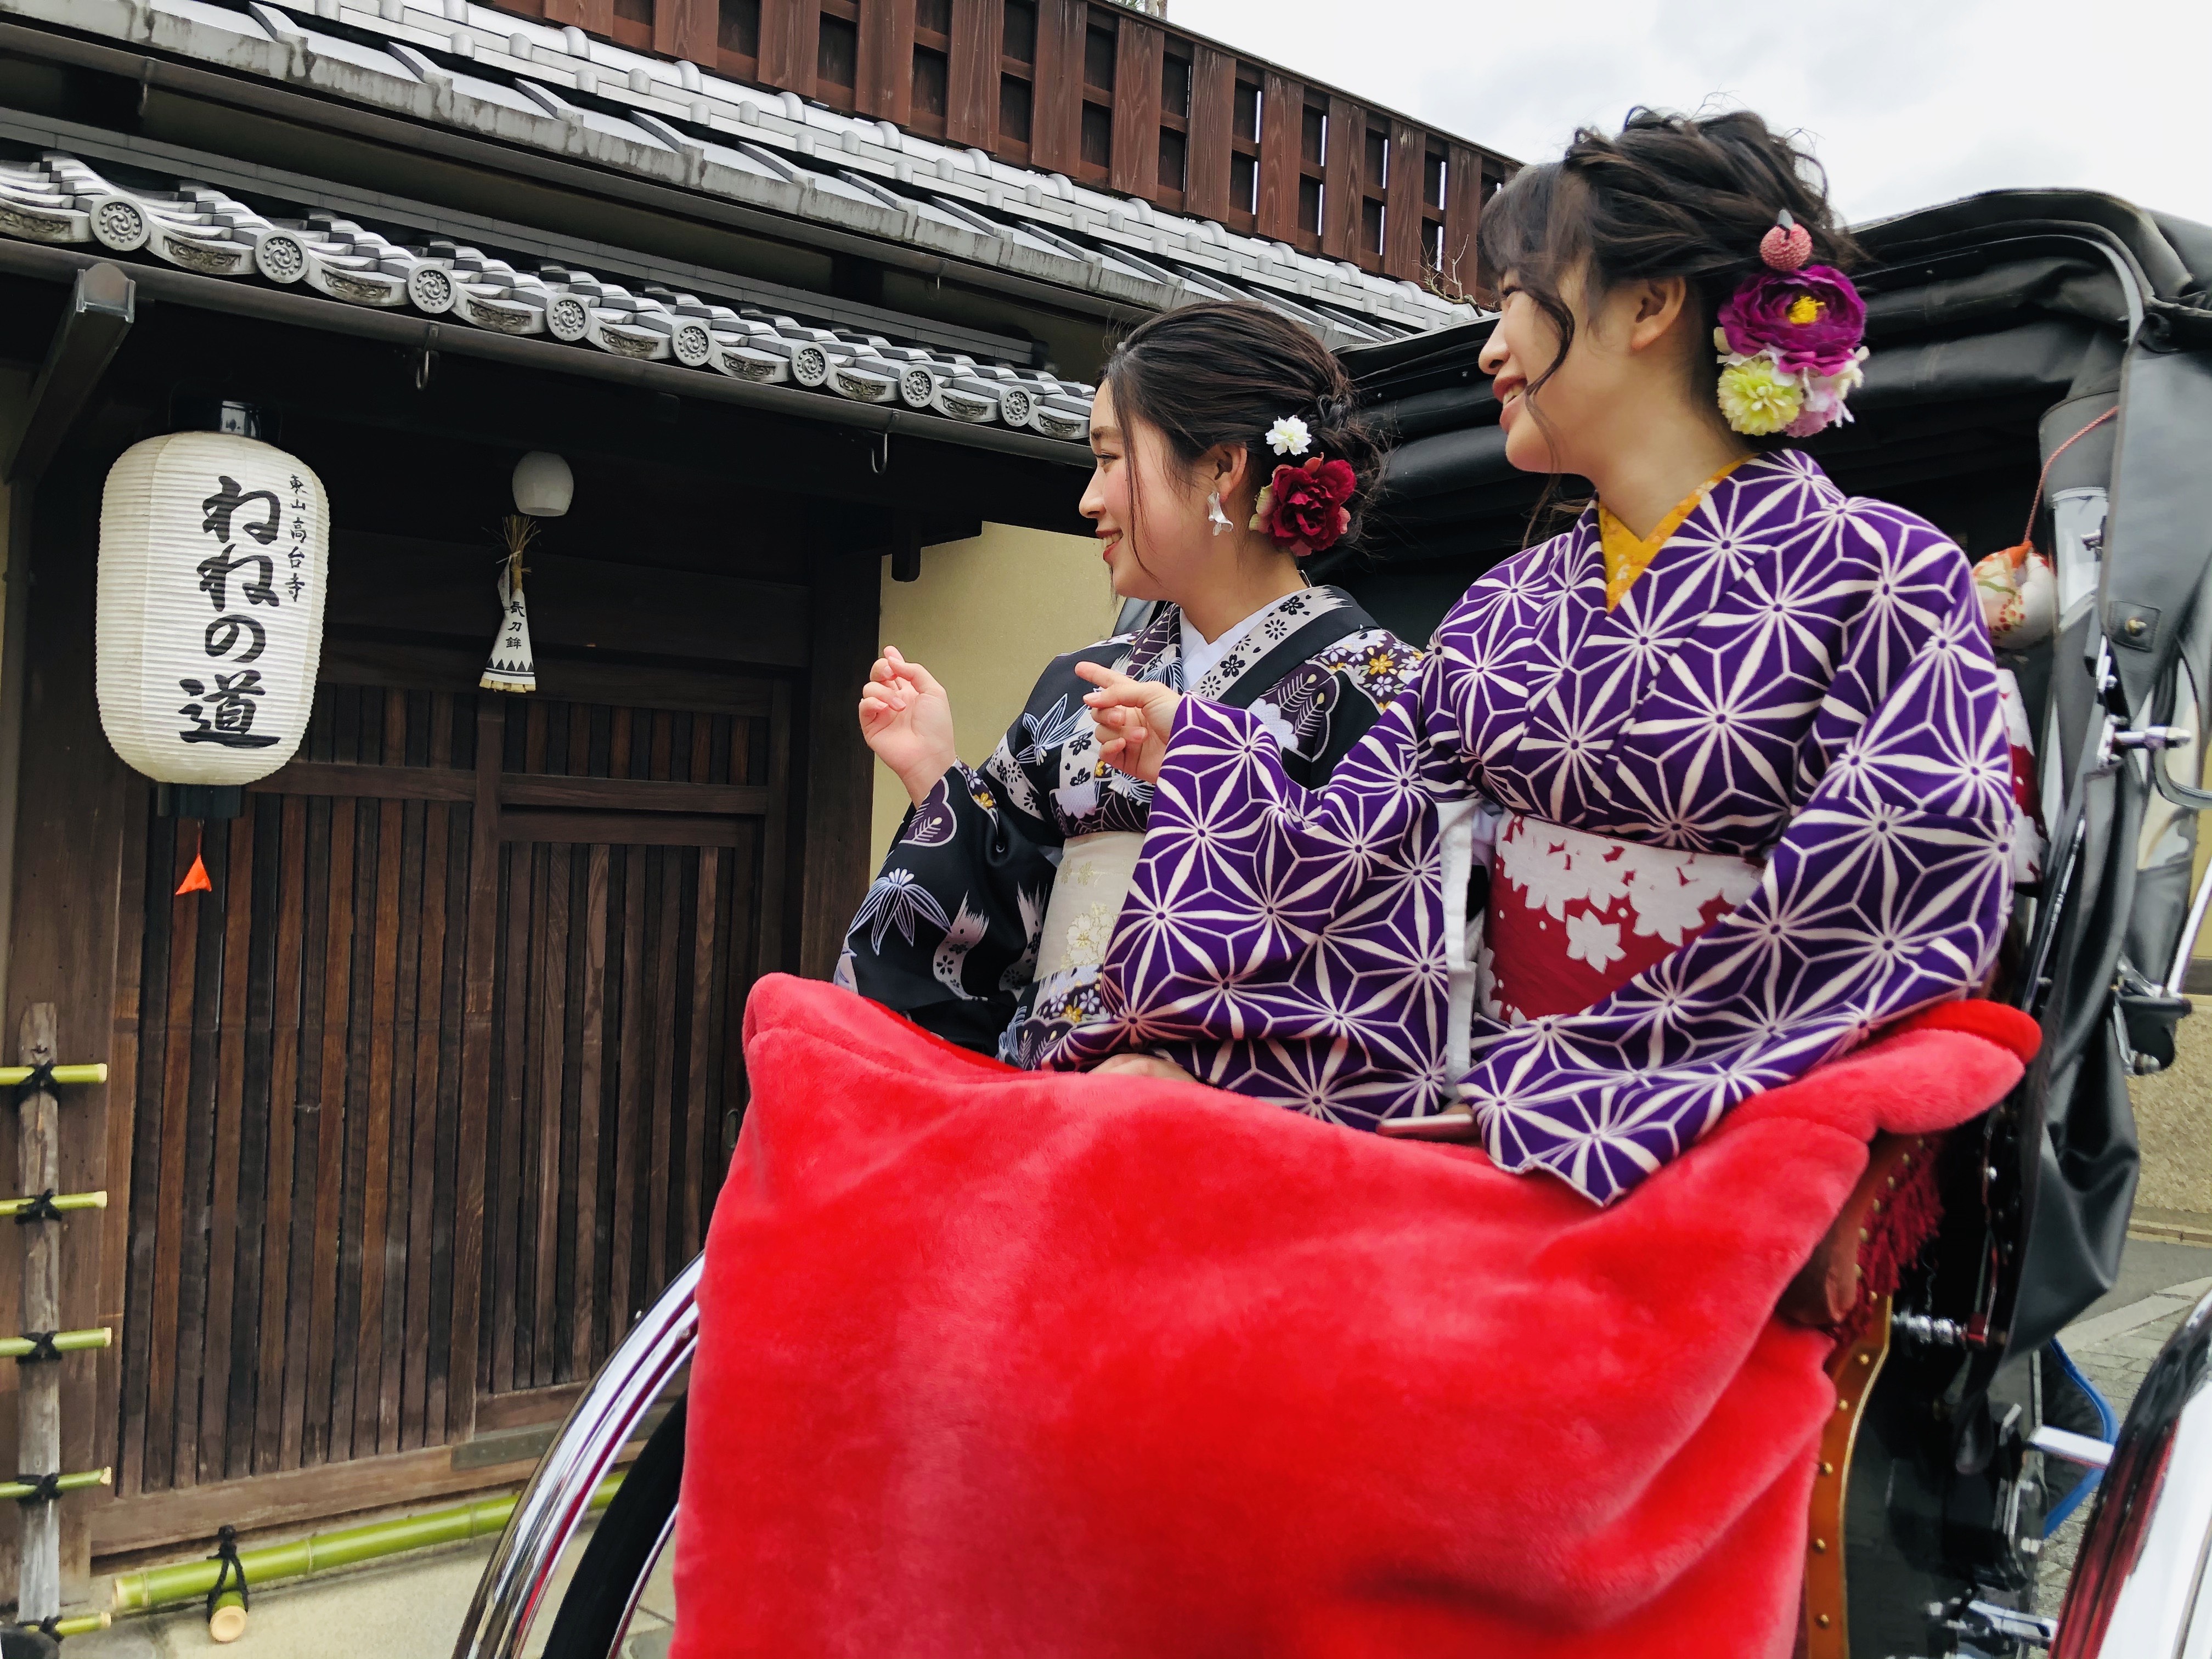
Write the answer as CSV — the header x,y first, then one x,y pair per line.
x,y
1109,96
412,1113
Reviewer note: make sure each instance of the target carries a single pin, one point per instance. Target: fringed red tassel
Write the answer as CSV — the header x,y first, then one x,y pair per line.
x,y
1898,1229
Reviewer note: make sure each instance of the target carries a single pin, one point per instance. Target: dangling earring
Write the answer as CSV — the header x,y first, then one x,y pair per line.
x,y
1215,516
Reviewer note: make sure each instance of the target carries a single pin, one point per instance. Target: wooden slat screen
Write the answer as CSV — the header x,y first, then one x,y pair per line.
x,y
943,79
316,1244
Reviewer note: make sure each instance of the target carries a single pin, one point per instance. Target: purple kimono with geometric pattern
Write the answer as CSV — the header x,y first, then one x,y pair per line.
x,y
1799,678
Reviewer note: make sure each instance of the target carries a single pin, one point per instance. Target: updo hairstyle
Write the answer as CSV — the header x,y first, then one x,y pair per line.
x,y
1671,195
1223,372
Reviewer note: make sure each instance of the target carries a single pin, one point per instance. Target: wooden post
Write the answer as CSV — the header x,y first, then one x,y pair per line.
x,y
38,1391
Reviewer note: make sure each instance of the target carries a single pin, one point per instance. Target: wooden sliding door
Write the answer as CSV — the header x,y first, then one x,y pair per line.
x,y
433,1089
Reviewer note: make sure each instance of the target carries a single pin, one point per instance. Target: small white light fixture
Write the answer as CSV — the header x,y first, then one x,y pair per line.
x,y
544,486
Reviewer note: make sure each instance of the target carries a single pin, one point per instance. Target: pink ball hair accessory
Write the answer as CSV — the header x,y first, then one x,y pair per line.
x,y
1790,340
1788,246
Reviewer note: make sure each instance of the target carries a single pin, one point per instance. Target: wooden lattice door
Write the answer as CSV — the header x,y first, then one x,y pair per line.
x,y
432,1088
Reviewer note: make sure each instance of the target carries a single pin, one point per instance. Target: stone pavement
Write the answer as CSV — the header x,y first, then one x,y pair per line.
x,y
2113,1346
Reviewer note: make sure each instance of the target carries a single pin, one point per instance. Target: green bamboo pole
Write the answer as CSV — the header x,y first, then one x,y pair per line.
x,y
84,1482
13,1206
96,1072
83,1623
14,1348
326,1552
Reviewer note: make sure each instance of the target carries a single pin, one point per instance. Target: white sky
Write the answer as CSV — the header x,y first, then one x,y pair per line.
x,y
1909,102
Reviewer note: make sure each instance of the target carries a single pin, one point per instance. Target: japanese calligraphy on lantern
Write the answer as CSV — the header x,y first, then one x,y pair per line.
x,y
213,553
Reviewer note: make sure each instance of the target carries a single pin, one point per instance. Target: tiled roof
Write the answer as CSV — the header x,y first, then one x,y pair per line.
x,y
58,198
468,68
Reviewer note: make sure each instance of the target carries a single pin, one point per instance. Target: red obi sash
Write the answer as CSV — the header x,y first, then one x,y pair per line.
x,y
1574,916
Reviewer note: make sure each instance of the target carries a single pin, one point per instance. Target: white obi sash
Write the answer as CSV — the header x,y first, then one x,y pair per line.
x,y
1095,873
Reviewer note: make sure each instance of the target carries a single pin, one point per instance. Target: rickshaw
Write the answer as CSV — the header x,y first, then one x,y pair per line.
x,y
2038,356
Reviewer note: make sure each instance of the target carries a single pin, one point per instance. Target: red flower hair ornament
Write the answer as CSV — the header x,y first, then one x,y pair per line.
x,y
1303,510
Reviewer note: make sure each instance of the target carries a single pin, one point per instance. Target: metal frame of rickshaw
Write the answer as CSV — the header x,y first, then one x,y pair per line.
x,y
1984,1514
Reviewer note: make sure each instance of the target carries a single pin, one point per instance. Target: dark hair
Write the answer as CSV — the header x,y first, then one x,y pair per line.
x,y
1223,371
1670,196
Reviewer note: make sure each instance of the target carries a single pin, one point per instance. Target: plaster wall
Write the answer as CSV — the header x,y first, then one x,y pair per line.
x,y
2173,1115
985,617
2173,1109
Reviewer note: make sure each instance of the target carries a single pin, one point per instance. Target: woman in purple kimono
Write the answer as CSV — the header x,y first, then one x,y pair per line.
x,y
1730,747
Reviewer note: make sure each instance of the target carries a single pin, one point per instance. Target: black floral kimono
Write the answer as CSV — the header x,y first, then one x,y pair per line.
x,y
996,904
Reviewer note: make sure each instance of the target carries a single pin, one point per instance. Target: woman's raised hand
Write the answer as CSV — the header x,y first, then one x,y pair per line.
x,y
1135,717
906,718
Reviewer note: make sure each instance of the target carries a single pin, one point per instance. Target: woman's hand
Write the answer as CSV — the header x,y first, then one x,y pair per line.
x,y
906,718
1141,1065
1135,717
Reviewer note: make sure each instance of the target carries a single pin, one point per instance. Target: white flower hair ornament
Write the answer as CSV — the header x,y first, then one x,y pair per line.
x,y
1290,436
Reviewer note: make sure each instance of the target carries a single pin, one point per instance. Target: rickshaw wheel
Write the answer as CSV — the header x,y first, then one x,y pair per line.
x,y
624,1549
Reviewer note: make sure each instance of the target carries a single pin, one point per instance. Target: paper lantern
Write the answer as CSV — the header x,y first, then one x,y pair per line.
x,y
213,552
544,486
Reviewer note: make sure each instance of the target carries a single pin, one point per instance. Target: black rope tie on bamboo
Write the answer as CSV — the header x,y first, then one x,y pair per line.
x,y
42,1348
226,1553
40,1082
40,1208
44,1489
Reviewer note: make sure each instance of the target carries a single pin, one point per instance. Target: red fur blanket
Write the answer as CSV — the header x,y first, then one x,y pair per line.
x,y
1043,1366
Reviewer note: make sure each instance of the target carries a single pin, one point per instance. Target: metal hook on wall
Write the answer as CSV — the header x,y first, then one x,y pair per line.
x,y
426,358
879,453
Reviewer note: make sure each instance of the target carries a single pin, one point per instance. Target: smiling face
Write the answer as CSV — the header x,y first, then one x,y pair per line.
x,y
1136,487
1519,351
1630,365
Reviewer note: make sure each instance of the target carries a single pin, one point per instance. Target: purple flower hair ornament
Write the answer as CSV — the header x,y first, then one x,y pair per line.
x,y
1789,341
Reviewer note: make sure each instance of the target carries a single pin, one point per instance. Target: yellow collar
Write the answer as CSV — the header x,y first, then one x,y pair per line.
x,y
1626,556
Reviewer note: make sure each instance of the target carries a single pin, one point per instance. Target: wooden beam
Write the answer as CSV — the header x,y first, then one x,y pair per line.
x,y
1056,120
685,29
101,306
1282,114
791,33
347,780
1342,178
1212,109
839,781
971,100
1137,59
616,830
1462,216
1402,213
39,1389
885,73
477,1012
593,16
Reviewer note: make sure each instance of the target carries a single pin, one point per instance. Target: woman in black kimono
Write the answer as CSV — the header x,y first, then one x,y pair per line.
x,y
1227,450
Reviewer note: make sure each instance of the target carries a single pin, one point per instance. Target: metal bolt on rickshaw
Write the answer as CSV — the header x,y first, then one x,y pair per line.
x,y
2038,356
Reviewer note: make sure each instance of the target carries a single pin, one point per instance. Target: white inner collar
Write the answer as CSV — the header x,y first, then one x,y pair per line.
x,y
1200,656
